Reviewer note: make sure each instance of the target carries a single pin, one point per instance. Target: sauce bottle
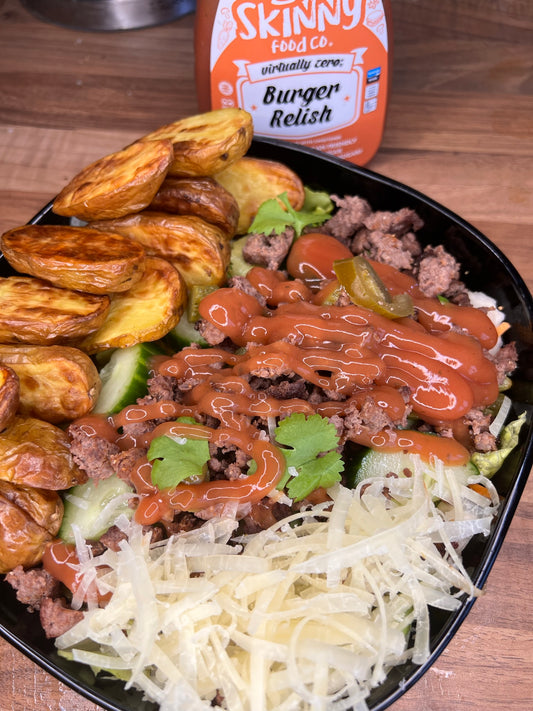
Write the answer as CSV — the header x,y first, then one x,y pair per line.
x,y
316,72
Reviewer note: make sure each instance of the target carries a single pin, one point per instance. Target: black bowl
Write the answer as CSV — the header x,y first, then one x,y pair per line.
x,y
485,268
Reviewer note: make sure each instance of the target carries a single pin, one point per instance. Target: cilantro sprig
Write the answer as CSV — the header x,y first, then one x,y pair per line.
x,y
308,444
304,439
276,214
175,459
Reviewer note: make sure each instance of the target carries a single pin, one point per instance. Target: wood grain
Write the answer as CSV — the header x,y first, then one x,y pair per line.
x,y
459,128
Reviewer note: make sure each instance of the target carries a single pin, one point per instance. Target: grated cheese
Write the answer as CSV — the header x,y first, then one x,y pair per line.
x,y
308,615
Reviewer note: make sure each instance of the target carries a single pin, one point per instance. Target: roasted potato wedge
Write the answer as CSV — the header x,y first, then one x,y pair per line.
x,y
36,312
251,181
57,383
9,395
29,519
117,184
200,197
198,250
36,453
77,258
205,144
144,313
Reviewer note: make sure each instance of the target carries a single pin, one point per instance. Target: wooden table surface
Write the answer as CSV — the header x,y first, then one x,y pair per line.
x,y
460,128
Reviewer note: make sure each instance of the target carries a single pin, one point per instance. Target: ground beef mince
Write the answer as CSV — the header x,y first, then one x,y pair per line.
x,y
124,463
396,223
457,293
181,523
478,424
162,387
33,585
373,417
228,462
268,250
211,334
92,454
348,219
368,417
505,360
56,617
112,538
382,247
436,271
281,387
263,514
242,283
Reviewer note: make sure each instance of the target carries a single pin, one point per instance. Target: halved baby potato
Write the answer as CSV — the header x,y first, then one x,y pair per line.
x,y
57,383
148,311
199,250
251,181
205,144
117,184
9,394
29,519
77,258
34,311
200,197
37,453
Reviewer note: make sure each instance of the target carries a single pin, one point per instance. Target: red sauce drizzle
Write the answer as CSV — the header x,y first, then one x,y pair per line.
x,y
60,560
349,351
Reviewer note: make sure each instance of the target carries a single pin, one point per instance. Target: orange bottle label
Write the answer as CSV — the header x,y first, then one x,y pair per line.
x,y
314,71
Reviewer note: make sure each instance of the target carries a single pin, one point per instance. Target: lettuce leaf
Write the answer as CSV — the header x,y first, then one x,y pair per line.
x,y
276,214
488,463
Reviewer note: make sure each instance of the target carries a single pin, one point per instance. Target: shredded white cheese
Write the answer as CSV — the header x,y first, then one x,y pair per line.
x,y
310,614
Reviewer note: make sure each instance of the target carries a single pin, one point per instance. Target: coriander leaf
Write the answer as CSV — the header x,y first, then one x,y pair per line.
x,y
323,471
174,460
276,214
305,439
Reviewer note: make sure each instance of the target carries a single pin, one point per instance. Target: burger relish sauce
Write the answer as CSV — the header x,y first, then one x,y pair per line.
x,y
316,73
349,352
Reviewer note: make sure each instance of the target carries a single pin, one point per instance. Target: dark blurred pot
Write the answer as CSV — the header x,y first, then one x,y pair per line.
x,y
109,14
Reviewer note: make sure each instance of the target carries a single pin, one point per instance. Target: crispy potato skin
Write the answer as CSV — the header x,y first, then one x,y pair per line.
x,y
205,144
199,197
36,453
9,395
29,519
144,313
78,258
251,181
57,383
199,251
34,311
44,506
117,184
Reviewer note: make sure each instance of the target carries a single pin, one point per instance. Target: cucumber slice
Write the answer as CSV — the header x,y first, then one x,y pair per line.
x,y
373,463
196,294
184,334
238,266
124,377
94,507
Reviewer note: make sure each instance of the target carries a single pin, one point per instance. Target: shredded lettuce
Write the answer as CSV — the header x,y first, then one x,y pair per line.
x,y
488,463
